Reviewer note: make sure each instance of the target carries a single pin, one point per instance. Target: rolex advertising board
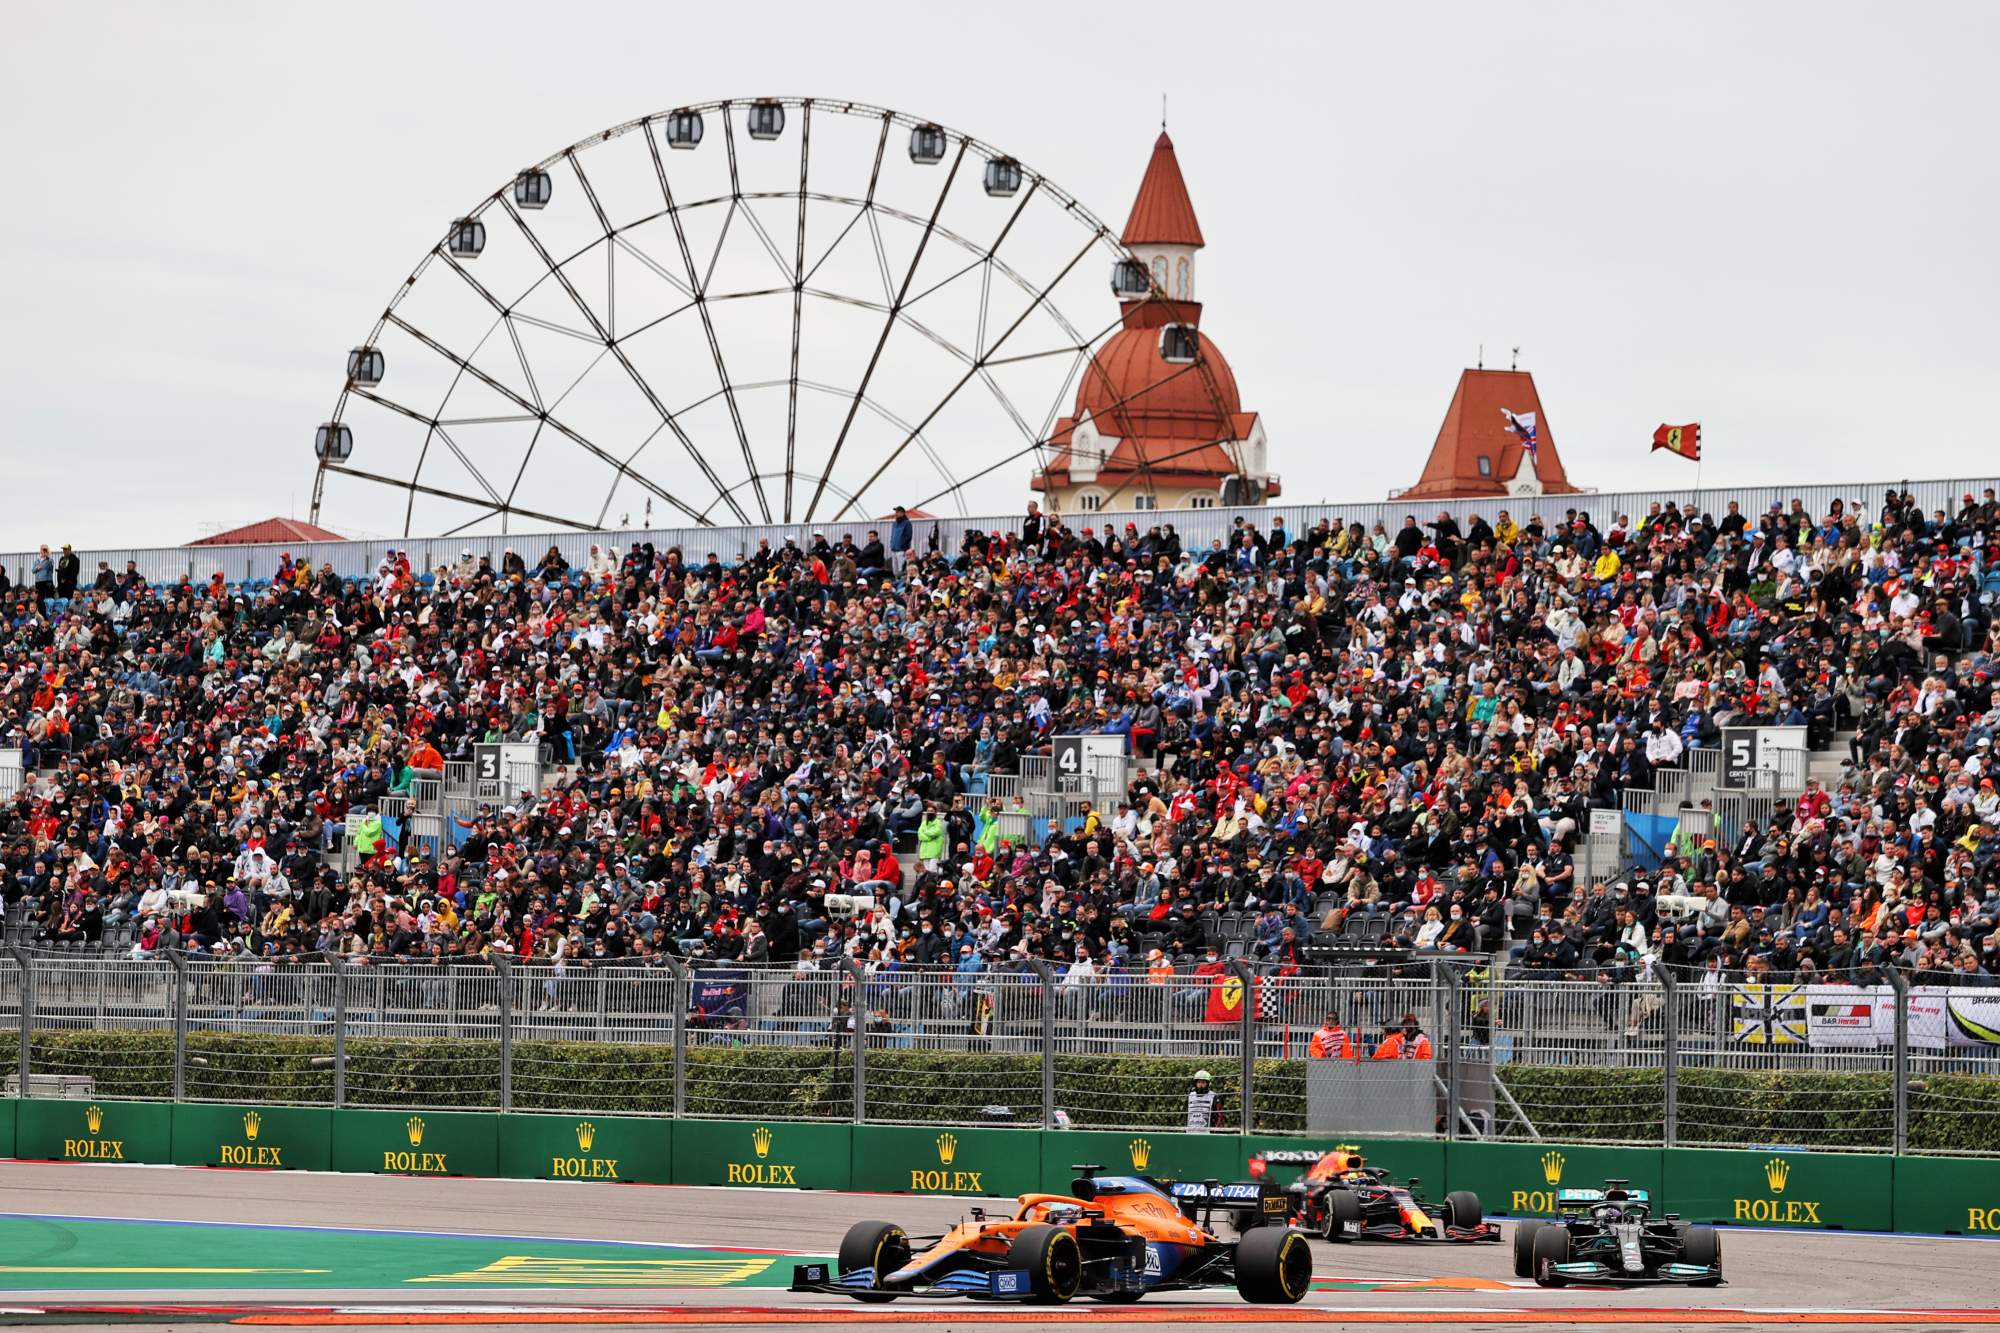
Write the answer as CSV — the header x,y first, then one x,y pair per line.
x,y
1777,1188
268,1138
416,1143
1521,1179
1403,1159
1164,1155
1955,1196
586,1147
94,1131
769,1154
947,1160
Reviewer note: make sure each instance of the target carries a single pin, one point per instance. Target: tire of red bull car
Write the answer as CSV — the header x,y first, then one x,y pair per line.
x,y
1461,1209
1341,1209
879,1247
1524,1246
1274,1266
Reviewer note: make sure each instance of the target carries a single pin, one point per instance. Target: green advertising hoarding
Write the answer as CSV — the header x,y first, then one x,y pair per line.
x,y
1167,1156
1780,1188
7,1127
772,1154
1953,1195
417,1143
931,1160
586,1147
94,1131
1523,1179
270,1138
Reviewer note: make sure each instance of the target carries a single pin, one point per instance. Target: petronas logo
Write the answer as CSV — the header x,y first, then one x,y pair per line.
x,y
415,1126
586,1134
760,1141
1142,1153
1776,1172
252,1122
947,1147
1552,1167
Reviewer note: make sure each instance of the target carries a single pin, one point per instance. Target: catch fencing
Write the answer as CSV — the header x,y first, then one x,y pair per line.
x,y
1667,1060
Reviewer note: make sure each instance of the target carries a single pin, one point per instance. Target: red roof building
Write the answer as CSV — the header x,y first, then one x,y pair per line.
x,y
271,530
1158,422
1479,450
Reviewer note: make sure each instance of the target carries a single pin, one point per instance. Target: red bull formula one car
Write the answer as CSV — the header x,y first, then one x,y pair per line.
x,y
1113,1239
1339,1196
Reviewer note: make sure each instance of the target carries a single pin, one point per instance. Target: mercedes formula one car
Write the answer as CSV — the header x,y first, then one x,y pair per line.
x,y
1611,1235
1113,1238
1339,1196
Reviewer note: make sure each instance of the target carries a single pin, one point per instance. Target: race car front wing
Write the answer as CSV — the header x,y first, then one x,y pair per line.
x,y
1590,1270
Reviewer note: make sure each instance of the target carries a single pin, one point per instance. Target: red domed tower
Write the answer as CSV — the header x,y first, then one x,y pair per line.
x,y
1158,423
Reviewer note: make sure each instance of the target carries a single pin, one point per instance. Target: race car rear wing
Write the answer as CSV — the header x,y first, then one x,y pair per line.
x,y
1290,1157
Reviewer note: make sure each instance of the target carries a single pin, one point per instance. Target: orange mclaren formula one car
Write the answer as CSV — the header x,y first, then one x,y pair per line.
x,y
1341,1197
1113,1238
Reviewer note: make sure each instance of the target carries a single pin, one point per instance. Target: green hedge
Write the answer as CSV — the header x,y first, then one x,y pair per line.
x,y
1949,1113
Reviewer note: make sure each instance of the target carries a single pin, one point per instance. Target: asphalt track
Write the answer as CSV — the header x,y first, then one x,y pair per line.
x,y
1776,1280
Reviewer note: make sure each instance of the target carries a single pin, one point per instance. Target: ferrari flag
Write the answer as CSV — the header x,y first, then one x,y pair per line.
x,y
1225,998
1683,440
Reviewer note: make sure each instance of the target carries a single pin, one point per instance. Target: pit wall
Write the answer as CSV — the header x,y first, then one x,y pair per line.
x,y
1781,1188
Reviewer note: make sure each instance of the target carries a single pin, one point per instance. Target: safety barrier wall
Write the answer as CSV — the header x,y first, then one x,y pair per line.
x,y
1772,1188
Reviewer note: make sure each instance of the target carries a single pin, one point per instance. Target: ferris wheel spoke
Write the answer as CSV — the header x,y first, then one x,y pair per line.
x,y
521,355
467,463
611,493
888,325
658,269
618,353
798,312
979,363
487,506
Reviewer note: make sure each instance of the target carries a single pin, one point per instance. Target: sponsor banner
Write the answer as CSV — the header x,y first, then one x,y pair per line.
x,y
1767,1015
1953,1195
1849,1017
585,1147
1522,1179
416,1143
1779,1188
947,1160
94,1131
768,1154
1941,1017
1163,1155
265,1138
1402,1158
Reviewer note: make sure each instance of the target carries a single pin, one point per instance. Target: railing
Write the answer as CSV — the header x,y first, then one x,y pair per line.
x,y
1021,1044
1197,528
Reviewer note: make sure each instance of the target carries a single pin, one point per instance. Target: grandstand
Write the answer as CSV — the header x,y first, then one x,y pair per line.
x,y
1044,795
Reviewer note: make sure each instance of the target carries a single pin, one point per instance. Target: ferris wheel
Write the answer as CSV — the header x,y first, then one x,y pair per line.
x,y
775,311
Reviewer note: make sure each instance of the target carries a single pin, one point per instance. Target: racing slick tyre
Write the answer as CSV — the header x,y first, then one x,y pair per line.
x,y
1342,1208
1524,1247
1053,1259
1551,1247
1461,1210
1274,1266
879,1247
1703,1245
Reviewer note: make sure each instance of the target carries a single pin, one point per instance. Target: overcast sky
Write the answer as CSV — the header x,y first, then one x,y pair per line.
x,y
1777,219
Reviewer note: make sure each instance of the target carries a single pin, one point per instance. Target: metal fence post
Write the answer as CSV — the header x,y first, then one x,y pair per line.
x,y
23,962
506,1007
1448,985
680,1036
339,967
175,957
1047,977
1901,985
857,1017
1670,1057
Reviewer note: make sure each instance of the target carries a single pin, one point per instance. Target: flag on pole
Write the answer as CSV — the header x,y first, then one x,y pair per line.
x,y
1523,424
1683,440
